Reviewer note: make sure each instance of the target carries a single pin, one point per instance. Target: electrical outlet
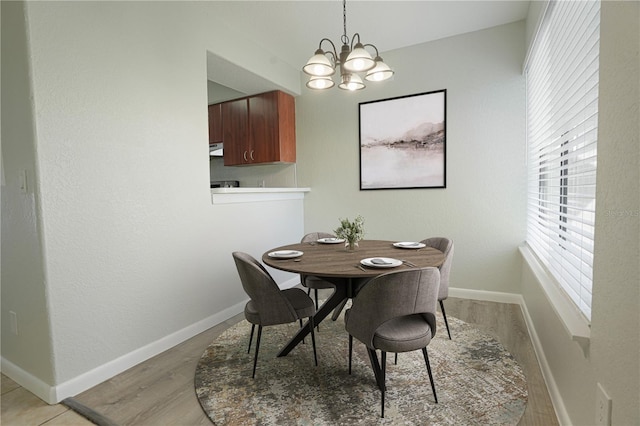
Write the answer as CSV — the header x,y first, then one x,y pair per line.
x,y
603,407
13,322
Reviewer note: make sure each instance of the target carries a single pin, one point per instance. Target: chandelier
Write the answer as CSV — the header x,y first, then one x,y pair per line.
x,y
353,61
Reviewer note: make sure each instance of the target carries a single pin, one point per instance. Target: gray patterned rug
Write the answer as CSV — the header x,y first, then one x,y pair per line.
x,y
477,381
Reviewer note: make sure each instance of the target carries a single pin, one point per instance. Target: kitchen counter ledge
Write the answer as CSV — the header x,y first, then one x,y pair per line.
x,y
250,195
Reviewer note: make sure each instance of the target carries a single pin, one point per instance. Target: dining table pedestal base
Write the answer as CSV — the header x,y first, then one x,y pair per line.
x,y
344,290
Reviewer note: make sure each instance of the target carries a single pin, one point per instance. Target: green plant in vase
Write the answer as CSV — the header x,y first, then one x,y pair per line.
x,y
351,231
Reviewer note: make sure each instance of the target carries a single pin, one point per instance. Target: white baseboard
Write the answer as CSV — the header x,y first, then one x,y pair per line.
x,y
552,387
42,390
491,296
55,394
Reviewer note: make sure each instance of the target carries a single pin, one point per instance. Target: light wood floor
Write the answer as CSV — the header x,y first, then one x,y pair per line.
x,y
160,391
21,408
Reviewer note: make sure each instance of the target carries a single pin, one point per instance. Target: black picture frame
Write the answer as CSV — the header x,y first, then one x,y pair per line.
x,y
403,142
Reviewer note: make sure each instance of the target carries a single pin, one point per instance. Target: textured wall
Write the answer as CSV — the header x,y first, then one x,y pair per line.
x,y
23,279
483,206
134,251
615,347
612,358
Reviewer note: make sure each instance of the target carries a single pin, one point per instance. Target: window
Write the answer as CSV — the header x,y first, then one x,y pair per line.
x,y
562,130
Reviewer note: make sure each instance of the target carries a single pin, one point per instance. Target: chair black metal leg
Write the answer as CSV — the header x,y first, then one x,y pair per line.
x,y
313,340
384,378
255,358
377,371
433,386
445,318
316,291
396,360
350,351
253,327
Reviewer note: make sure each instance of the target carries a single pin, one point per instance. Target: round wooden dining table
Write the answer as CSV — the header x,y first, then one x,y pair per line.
x,y
343,268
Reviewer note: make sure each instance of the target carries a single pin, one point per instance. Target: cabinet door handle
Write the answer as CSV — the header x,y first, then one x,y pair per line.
x,y
244,156
252,151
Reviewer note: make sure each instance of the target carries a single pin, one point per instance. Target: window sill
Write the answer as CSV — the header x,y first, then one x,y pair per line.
x,y
574,322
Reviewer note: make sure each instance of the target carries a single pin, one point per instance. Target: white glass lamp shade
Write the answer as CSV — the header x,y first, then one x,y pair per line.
x,y
380,72
320,83
359,60
351,82
319,65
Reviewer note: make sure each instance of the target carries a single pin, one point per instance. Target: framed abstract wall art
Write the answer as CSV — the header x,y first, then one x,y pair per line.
x,y
403,142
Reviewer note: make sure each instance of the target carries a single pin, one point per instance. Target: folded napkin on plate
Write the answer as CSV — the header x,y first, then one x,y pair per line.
x,y
380,262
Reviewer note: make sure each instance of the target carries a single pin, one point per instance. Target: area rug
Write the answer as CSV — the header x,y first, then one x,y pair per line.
x,y
477,380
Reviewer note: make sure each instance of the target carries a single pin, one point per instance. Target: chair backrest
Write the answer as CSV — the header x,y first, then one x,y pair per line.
x,y
308,238
445,245
265,294
393,295
314,236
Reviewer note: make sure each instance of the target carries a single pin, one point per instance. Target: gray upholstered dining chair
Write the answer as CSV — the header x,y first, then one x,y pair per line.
x,y
445,245
269,305
395,312
309,281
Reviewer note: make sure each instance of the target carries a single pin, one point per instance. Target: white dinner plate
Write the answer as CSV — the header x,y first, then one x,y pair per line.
x,y
381,262
285,254
331,240
409,245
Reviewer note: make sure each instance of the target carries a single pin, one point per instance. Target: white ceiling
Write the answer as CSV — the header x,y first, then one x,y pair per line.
x,y
292,30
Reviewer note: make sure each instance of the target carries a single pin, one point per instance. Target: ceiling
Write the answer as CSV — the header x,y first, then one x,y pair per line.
x,y
291,30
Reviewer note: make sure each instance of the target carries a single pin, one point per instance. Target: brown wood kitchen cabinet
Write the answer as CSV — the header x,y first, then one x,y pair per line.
x,y
259,129
215,123
235,131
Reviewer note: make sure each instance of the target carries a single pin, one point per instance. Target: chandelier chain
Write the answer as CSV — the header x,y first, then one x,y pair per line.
x,y
345,39
352,60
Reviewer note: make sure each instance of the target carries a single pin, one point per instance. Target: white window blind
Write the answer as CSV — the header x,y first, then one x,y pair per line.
x,y
562,130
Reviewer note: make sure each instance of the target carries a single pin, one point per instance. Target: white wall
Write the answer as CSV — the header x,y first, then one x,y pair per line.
x,y
483,206
134,252
23,278
134,255
534,20
616,293
612,358
130,252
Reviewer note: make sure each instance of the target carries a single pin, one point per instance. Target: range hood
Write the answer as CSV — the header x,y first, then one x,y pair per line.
x,y
215,150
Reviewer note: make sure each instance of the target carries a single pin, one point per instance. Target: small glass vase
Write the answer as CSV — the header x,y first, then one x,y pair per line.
x,y
351,245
